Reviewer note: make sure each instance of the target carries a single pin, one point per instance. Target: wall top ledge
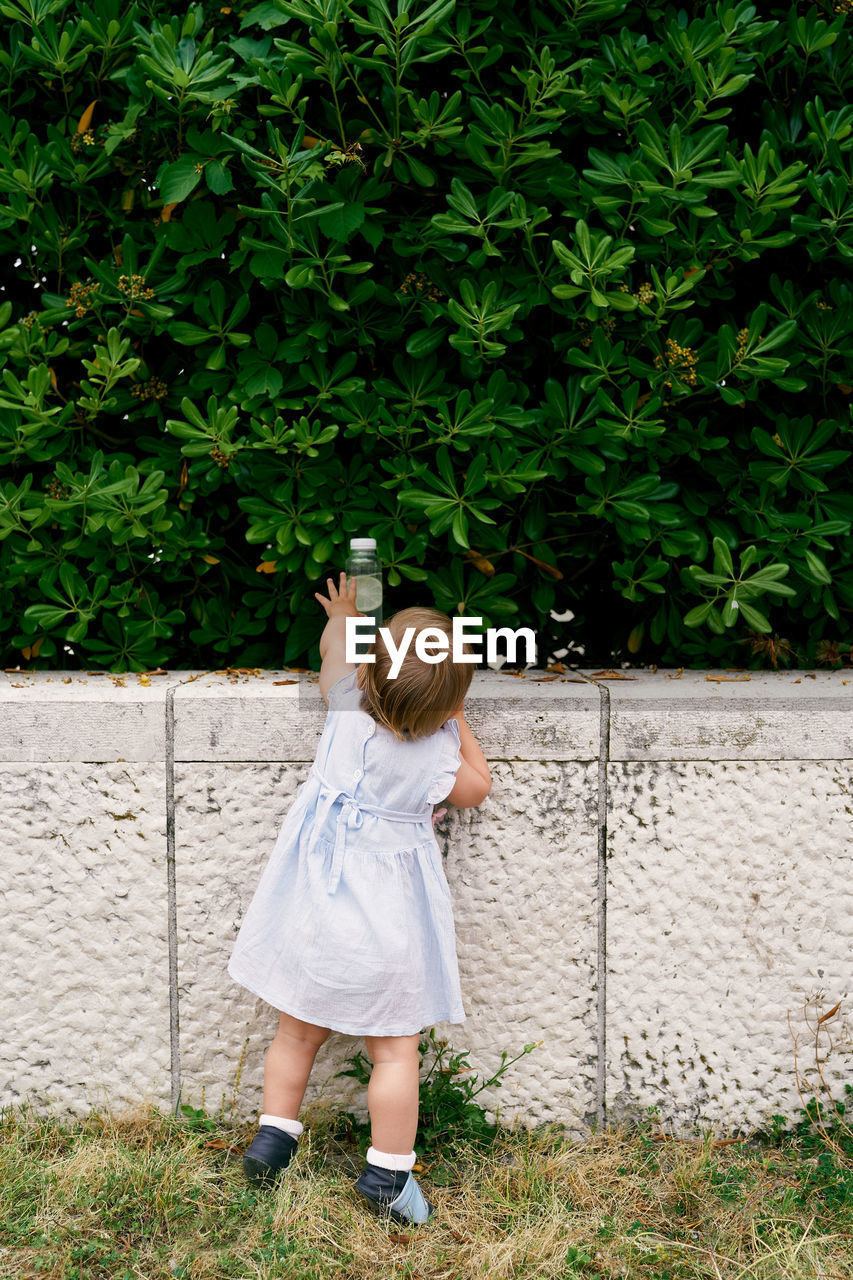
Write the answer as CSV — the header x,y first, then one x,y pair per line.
x,y
686,714
84,686
682,682
676,682
265,715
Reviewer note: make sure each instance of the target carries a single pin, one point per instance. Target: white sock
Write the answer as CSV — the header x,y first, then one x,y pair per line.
x,y
293,1127
389,1160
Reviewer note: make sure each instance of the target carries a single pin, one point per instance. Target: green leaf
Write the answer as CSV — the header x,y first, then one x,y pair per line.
x,y
775,338
217,177
179,179
462,200
697,615
754,617
424,341
190,335
269,264
299,277
722,558
715,621
656,226
342,222
43,615
460,529
730,611
621,301
817,568
630,510
422,174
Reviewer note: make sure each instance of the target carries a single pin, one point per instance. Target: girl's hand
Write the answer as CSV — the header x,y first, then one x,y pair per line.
x,y
340,602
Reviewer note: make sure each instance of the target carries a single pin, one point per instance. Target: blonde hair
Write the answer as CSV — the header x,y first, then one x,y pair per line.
x,y
422,695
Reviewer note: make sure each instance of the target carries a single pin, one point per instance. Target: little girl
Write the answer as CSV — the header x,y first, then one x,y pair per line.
x,y
351,927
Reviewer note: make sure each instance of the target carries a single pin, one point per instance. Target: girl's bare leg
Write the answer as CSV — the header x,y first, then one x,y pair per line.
x,y
288,1064
392,1094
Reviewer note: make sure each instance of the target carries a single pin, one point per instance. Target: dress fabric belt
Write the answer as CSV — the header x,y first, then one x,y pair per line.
x,y
350,818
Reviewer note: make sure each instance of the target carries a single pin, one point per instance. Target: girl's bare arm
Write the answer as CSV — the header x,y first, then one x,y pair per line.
x,y
473,778
339,605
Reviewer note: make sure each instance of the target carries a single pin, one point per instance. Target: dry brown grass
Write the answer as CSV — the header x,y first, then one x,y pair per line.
x,y
146,1197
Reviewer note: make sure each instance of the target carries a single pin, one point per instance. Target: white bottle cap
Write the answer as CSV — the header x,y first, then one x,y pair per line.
x,y
362,544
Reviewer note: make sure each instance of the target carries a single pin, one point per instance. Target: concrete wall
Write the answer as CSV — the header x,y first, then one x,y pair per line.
x,y
657,888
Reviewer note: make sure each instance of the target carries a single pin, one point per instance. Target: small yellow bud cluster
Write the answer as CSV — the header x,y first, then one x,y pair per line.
x,y
681,361
645,293
623,288
824,306
79,140
742,344
608,324
134,286
151,389
56,489
844,6
221,459
29,319
416,284
80,296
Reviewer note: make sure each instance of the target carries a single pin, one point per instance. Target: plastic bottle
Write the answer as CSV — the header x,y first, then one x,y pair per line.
x,y
363,565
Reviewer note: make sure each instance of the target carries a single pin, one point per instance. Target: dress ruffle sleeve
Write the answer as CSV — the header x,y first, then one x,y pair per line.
x,y
449,761
342,687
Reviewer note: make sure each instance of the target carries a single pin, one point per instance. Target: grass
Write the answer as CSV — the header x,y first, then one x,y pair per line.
x,y
156,1196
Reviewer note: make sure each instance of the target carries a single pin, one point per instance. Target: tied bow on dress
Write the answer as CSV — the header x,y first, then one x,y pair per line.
x,y
350,818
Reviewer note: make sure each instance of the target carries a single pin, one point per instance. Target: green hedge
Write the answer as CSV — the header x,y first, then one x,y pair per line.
x,y
553,299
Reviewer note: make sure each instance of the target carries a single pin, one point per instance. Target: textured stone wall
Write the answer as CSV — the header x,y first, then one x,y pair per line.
x,y
655,889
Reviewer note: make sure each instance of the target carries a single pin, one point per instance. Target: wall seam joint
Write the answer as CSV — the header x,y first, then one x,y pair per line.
x,y
172,898
601,904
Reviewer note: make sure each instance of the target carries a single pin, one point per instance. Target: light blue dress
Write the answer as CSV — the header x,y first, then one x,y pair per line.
x,y
351,926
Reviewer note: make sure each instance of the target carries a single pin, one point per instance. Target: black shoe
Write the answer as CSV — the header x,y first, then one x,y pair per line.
x,y
395,1194
271,1151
